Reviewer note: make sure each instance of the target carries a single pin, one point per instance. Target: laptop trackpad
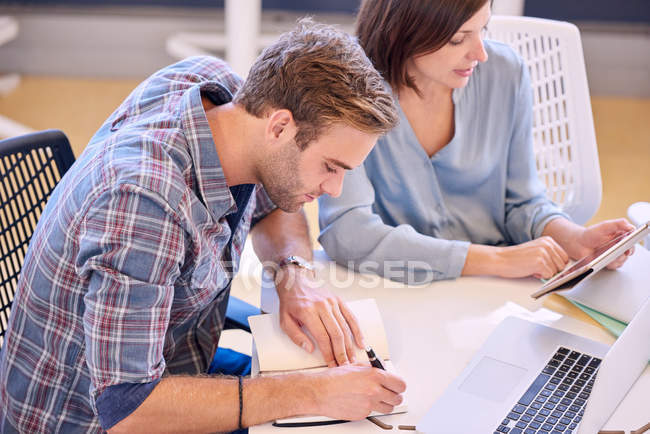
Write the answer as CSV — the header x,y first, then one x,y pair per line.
x,y
492,379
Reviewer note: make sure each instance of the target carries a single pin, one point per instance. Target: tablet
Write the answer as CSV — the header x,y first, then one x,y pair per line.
x,y
594,262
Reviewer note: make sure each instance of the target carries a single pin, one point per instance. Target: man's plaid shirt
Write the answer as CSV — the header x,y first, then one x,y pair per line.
x,y
126,277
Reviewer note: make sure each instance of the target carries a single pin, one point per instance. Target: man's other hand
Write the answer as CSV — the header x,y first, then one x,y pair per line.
x,y
303,303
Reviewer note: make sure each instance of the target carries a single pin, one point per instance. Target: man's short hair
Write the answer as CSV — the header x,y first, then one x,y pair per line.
x,y
322,76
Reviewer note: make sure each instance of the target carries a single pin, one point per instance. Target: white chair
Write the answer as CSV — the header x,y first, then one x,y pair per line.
x,y
563,126
639,213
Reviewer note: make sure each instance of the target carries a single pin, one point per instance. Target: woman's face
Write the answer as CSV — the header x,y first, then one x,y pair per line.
x,y
452,65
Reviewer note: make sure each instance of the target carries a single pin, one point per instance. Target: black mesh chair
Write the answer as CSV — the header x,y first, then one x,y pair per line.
x,y
30,167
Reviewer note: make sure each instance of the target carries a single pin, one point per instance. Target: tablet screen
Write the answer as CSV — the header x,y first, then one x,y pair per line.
x,y
599,258
595,254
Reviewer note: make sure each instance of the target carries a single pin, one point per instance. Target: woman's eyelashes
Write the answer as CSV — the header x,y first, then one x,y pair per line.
x,y
460,40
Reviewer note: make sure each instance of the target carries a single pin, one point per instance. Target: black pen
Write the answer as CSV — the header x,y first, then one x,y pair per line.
x,y
374,361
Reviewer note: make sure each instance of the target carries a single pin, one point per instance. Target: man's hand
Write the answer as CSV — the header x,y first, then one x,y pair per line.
x,y
324,315
587,240
351,392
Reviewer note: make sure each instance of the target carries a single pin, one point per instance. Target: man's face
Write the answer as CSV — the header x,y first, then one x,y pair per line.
x,y
292,177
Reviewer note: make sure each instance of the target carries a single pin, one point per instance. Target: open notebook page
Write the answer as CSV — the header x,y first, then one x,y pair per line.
x,y
277,352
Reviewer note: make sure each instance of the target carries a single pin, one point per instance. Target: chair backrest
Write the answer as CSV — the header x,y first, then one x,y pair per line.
x,y
30,167
563,126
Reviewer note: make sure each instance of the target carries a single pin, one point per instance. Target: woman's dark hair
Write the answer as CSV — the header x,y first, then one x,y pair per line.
x,y
393,31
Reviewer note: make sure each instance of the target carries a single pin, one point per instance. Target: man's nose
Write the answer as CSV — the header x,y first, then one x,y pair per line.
x,y
333,185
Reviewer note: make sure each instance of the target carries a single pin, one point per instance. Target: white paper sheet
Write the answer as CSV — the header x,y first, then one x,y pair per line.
x,y
277,352
616,293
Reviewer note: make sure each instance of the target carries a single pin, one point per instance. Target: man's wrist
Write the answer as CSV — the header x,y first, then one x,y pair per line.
x,y
292,266
297,261
306,387
294,394
289,277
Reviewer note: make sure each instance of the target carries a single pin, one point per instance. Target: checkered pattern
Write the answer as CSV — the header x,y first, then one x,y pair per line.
x,y
126,277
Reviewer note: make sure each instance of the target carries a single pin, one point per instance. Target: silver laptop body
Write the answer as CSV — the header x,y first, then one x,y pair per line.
x,y
515,363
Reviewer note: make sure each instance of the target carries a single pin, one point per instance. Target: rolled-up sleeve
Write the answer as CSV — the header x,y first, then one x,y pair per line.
x,y
527,208
356,237
131,249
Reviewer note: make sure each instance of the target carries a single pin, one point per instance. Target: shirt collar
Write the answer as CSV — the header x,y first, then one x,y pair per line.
x,y
211,181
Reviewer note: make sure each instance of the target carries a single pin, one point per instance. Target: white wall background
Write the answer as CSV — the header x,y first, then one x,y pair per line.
x,y
131,43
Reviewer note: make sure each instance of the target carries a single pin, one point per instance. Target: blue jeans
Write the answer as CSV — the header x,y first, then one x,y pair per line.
x,y
229,362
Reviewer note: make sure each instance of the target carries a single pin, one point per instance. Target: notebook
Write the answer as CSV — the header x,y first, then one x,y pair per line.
x,y
275,353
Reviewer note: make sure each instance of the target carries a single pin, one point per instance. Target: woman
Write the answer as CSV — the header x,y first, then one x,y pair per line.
x,y
453,190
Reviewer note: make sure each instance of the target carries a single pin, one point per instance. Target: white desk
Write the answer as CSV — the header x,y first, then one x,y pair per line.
x,y
434,330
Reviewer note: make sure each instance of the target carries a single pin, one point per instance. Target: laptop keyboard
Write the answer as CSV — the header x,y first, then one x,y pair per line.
x,y
555,401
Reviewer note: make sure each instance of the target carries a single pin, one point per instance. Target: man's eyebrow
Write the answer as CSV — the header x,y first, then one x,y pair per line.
x,y
338,163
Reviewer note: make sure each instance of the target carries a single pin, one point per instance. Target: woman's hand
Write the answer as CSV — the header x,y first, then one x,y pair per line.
x,y
599,234
579,241
541,258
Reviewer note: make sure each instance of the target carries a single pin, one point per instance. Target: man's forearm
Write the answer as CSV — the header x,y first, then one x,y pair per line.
x,y
282,234
209,404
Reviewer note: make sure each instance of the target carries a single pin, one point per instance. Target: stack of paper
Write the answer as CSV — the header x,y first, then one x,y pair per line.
x,y
613,297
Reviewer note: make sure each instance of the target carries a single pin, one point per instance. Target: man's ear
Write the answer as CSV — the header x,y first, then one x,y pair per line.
x,y
280,126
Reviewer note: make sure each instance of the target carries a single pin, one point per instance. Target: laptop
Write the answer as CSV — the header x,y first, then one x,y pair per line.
x,y
529,378
596,261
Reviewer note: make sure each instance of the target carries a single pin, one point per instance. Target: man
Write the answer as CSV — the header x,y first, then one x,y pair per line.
x,y
123,291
